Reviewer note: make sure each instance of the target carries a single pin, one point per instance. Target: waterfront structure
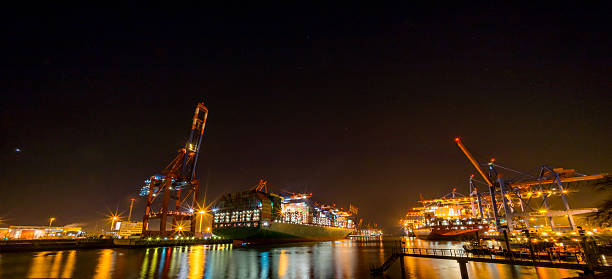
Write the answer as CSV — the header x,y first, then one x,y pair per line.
x,y
39,232
367,232
174,193
127,229
511,203
4,233
588,265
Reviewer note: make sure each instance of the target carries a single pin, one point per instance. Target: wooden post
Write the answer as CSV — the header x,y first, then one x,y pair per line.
x,y
402,266
463,269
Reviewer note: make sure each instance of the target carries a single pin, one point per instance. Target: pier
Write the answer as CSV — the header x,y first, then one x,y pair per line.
x,y
462,258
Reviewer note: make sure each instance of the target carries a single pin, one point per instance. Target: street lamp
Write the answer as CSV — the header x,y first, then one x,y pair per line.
x,y
113,220
201,216
131,206
51,221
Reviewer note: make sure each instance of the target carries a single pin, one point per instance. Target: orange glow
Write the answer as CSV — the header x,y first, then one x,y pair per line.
x,y
180,226
105,264
69,265
197,260
283,263
113,217
50,265
55,268
40,266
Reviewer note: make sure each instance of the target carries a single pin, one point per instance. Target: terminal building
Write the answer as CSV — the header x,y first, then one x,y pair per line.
x,y
39,232
127,229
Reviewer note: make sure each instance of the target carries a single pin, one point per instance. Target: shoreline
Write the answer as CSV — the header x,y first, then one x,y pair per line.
x,y
12,246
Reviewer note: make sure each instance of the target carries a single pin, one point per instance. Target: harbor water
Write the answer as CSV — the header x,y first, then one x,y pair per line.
x,y
332,259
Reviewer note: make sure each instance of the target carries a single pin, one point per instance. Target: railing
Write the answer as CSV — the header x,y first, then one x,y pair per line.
x,y
431,251
545,256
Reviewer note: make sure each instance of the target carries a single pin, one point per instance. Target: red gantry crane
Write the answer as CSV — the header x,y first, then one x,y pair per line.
x,y
177,183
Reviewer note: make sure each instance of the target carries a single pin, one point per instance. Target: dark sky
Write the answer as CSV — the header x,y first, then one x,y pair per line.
x,y
354,104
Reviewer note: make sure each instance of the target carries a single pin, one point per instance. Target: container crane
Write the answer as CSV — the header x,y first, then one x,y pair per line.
x,y
488,178
177,182
525,190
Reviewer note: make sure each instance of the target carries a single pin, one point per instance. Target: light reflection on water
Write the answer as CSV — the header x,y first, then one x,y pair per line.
x,y
337,259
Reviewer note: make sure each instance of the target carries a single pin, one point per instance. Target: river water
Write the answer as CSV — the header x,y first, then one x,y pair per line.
x,y
333,259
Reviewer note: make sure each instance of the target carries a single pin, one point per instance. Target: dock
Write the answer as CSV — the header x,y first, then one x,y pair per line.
x,y
462,258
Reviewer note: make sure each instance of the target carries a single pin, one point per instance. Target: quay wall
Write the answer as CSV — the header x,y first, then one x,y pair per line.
x,y
70,244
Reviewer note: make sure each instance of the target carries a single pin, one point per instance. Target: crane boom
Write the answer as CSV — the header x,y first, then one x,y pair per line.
x,y
562,180
488,180
473,161
195,140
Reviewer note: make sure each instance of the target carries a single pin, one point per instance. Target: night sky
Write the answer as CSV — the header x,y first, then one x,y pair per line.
x,y
355,104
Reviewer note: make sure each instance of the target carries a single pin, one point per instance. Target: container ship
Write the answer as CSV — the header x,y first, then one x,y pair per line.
x,y
257,216
451,217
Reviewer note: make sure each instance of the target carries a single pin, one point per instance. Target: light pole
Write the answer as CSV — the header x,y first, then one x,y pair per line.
x,y
131,206
201,217
51,221
114,219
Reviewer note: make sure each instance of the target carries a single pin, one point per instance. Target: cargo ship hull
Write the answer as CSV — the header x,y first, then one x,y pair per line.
x,y
445,233
282,232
